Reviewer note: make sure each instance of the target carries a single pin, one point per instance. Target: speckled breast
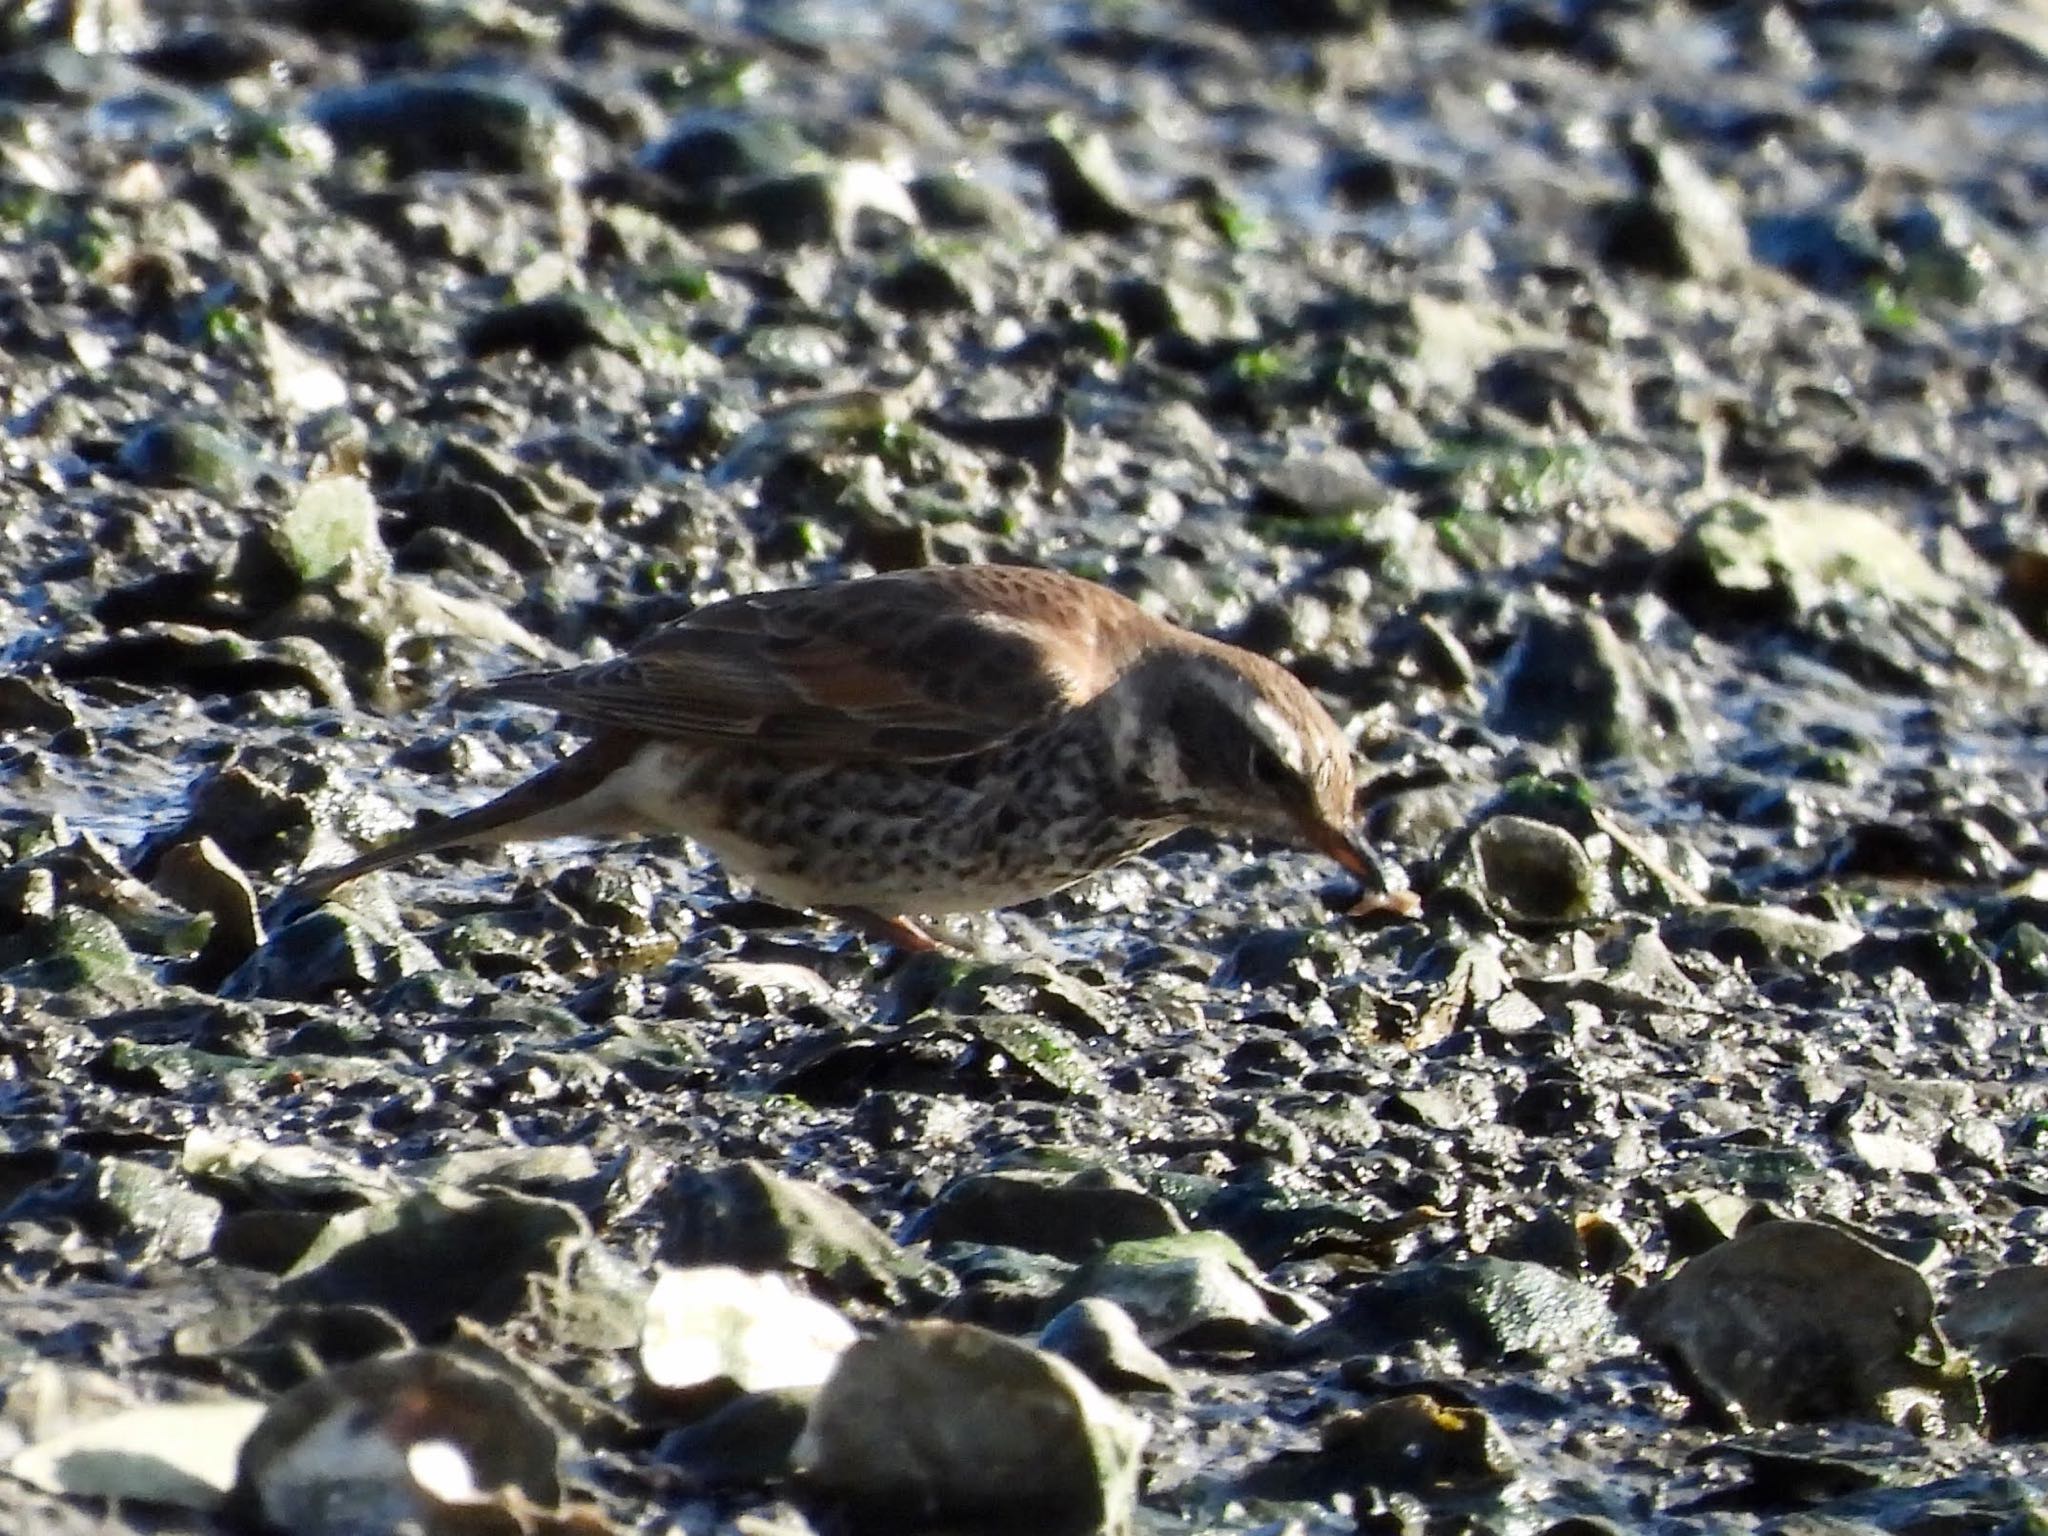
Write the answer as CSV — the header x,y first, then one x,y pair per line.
x,y
966,835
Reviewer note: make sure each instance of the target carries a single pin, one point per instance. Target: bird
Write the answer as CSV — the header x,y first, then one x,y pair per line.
x,y
916,744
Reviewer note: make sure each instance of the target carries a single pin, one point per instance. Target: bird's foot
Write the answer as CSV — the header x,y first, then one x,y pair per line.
x,y
906,933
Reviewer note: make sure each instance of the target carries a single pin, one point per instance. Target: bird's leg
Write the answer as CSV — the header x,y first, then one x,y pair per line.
x,y
905,933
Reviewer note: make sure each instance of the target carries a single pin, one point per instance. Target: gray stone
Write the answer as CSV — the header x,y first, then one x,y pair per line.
x,y
956,1422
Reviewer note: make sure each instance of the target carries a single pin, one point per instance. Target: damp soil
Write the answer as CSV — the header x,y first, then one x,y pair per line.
x,y
1629,418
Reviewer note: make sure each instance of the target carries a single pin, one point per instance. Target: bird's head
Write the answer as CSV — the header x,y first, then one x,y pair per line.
x,y
1236,744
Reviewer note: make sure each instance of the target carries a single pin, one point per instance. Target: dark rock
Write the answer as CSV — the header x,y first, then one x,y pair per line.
x,y
706,150
1981,49
1298,18
2003,1317
1949,965
1680,224
485,496
1569,680
336,948
342,1453
949,201
744,1444
1579,32
820,207
1085,185
1939,848
1534,872
1272,957
27,705
1774,562
435,1256
1362,179
2022,959
1759,935
179,451
1415,1441
1277,1226
2016,1400
207,54
747,1215
506,125
205,663
1038,441
960,1423
1555,388
1834,253
294,1344
549,329
1070,1216
924,285
1007,1289
1194,1289
199,877
1796,1321
1100,1338
1489,1310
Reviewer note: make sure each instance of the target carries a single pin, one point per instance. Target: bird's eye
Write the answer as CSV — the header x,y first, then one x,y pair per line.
x,y
1267,769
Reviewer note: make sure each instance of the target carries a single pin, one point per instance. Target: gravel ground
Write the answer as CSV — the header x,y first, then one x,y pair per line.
x,y
1630,419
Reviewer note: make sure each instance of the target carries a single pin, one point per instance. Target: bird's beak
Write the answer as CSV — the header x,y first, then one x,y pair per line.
x,y
1385,893
1346,849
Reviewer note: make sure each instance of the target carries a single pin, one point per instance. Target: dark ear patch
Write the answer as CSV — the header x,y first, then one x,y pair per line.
x,y
1213,741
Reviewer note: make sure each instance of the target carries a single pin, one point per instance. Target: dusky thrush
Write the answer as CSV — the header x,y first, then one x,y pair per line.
x,y
926,742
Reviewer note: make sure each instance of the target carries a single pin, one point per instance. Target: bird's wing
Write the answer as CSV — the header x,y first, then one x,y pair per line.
x,y
920,665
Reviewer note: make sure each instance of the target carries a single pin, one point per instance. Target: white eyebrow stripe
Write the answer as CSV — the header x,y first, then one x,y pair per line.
x,y
1283,736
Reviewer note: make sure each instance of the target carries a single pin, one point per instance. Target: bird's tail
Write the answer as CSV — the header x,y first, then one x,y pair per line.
x,y
562,801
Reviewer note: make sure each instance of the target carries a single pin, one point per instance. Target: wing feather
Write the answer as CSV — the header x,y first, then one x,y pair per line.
x,y
925,665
